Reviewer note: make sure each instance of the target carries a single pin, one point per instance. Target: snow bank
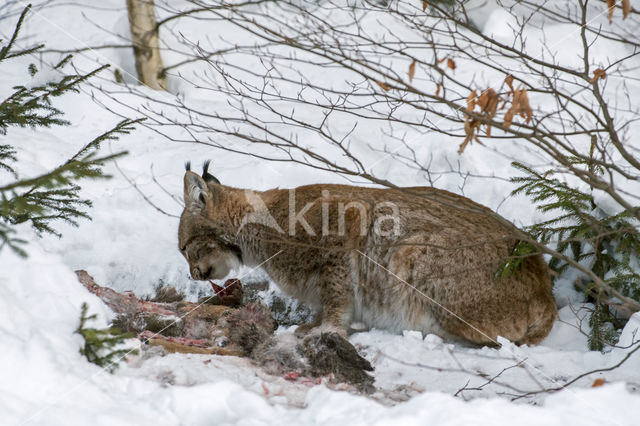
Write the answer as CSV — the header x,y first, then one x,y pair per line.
x,y
45,381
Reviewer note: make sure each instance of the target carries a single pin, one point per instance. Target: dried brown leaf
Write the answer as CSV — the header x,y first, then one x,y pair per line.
x,y
521,110
464,144
383,86
519,106
488,102
598,382
412,71
483,100
438,90
513,110
451,63
508,118
472,101
468,128
424,5
492,104
626,8
525,108
598,74
471,131
509,81
611,5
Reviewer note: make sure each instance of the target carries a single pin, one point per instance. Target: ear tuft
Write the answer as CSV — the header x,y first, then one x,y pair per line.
x,y
209,178
187,165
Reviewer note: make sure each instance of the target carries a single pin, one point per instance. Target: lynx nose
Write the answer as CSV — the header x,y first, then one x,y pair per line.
x,y
197,274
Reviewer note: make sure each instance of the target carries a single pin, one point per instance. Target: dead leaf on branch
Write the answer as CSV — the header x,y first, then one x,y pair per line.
x,y
472,100
519,106
412,71
598,74
508,118
487,104
424,5
509,82
598,382
611,5
450,62
470,127
383,86
438,90
464,144
626,8
525,108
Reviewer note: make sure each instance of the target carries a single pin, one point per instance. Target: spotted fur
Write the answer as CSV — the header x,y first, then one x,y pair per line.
x,y
436,275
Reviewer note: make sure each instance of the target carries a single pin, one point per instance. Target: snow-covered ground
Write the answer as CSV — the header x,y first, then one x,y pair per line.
x,y
130,245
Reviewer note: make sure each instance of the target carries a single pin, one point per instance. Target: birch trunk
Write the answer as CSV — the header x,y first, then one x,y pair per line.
x,y
144,34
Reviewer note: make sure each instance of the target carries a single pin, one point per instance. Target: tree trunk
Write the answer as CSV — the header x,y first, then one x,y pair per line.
x,y
144,34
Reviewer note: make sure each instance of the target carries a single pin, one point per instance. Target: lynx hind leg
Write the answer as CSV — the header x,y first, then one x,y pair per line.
x,y
542,306
405,290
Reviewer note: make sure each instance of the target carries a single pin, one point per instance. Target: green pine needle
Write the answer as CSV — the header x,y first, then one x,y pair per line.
x,y
53,196
100,345
609,245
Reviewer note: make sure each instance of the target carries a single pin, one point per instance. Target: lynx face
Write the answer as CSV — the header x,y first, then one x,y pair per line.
x,y
208,259
199,241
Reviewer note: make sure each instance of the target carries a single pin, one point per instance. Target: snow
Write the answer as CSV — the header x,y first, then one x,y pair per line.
x,y
46,381
130,245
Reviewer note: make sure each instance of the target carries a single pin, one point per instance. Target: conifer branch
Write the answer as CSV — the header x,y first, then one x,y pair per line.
x,y
609,245
100,345
54,195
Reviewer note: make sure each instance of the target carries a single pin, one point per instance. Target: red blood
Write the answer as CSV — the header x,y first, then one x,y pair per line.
x,y
291,376
180,340
227,289
216,288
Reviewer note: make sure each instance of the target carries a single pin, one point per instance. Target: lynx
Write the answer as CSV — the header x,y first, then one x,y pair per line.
x,y
414,258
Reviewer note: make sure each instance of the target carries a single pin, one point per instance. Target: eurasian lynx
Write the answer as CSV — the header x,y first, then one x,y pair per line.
x,y
398,259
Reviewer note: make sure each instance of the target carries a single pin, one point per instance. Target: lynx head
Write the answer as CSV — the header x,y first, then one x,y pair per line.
x,y
210,254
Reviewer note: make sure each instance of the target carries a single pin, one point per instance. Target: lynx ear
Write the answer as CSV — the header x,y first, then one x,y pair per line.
x,y
196,192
